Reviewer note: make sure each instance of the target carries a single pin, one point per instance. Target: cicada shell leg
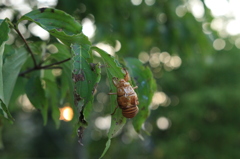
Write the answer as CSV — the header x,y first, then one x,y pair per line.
x,y
126,77
111,93
114,110
135,87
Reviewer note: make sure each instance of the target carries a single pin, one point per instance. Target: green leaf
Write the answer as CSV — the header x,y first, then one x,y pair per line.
x,y
113,70
36,95
52,94
63,53
5,110
4,32
146,88
59,24
11,68
85,77
3,38
66,82
107,147
53,19
1,141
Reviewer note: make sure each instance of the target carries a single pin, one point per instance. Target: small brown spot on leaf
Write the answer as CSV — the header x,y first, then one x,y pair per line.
x,y
77,97
81,129
93,66
95,88
59,29
42,9
79,76
120,121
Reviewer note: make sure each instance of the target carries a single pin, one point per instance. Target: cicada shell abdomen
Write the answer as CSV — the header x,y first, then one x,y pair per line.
x,y
127,100
130,112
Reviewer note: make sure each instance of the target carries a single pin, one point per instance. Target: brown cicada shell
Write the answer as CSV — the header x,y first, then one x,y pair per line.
x,y
126,96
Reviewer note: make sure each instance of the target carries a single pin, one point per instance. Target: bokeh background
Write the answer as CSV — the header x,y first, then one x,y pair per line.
x,y
192,48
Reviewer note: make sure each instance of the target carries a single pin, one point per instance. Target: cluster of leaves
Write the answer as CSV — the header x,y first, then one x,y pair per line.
x,y
80,75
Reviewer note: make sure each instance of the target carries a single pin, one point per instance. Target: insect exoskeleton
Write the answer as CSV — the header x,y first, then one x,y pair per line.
x,y
126,96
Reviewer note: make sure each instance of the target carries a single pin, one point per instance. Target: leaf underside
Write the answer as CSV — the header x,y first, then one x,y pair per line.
x,y
146,88
113,70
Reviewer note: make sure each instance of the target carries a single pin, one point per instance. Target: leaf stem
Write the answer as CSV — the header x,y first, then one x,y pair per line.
x,y
27,46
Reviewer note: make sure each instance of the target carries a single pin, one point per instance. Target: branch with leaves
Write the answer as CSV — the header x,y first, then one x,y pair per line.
x,y
80,76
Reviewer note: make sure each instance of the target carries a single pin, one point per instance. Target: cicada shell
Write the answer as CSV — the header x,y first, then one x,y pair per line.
x,y
126,96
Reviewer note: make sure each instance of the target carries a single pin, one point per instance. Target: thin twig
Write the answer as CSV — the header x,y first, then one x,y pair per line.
x,y
36,66
27,71
47,66
50,66
28,48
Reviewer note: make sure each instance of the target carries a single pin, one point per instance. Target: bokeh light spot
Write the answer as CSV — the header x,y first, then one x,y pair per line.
x,y
233,27
103,123
149,2
52,48
237,43
66,113
38,31
57,72
175,61
25,103
143,57
117,46
161,18
154,61
159,98
217,24
197,9
219,44
218,7
106,47
88,27
136,2
163,123
102,97
181,11
6,13
164,57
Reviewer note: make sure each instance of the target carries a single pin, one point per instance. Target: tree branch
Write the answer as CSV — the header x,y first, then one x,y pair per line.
x,y
47,66
27,46
50,66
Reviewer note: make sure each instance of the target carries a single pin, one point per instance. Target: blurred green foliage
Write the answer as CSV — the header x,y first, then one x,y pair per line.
x,y
204,90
